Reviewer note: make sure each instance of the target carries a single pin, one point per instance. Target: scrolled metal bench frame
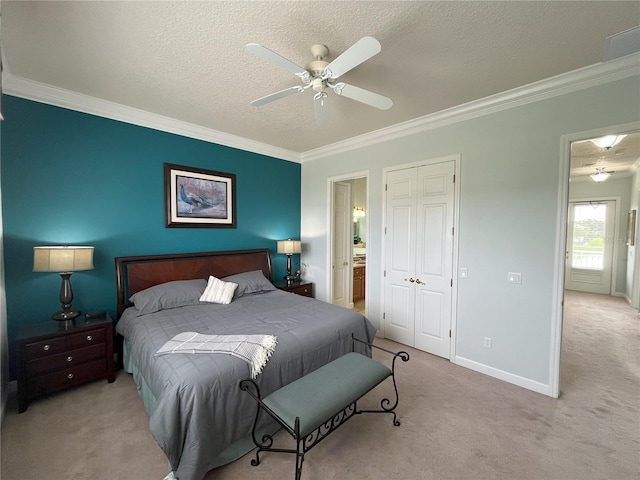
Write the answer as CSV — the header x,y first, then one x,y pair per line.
x,y
319,433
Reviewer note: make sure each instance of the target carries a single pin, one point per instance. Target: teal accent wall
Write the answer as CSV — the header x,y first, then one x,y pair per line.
x,y
78,179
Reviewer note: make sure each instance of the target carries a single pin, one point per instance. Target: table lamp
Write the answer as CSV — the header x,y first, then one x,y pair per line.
x,y
65,260
289,247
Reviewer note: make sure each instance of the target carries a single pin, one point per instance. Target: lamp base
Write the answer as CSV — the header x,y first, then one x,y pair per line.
x,y
291,280
66,317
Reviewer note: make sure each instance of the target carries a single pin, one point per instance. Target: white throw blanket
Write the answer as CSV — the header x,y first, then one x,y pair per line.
x,y
253,349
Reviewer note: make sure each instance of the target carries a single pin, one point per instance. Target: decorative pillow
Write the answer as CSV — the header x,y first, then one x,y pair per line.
x,y
218,291
169,295
250,282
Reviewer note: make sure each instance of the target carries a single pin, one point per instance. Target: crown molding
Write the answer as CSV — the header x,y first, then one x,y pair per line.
x,y
40,92
587,77
576,80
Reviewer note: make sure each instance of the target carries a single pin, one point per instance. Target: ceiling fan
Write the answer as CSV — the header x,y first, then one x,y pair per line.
x,y
320,75
600,174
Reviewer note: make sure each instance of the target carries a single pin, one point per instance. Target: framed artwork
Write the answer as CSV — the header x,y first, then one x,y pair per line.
x,y
631,228
195,197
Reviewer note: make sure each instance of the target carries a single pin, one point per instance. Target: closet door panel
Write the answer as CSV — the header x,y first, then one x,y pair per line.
x,y
434,254
400,242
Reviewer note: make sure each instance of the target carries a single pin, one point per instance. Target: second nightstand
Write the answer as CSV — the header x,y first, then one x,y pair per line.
x,y
52,358
304,289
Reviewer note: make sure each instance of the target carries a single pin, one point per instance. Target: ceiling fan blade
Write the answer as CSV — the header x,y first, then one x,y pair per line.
x,y
364,96
362,50
276,96
273,57
321,108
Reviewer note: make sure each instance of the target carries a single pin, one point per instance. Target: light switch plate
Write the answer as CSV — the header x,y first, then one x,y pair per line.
x,y
514,277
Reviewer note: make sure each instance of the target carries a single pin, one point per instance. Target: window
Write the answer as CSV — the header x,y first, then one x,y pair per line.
x,y
588,236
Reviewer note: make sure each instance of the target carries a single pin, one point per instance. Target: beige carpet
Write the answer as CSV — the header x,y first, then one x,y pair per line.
x,y
456,423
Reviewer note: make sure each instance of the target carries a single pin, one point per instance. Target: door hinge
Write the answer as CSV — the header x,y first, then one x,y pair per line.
x,y
449,333
452,282
385,187
454,178
453,231
384,316
385,230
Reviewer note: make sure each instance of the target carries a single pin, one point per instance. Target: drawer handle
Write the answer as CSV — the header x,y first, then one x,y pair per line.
x,y
89,337
69,358
70,376
46,347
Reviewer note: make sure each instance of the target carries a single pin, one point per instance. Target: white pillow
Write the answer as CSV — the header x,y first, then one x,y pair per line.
x,y
218,291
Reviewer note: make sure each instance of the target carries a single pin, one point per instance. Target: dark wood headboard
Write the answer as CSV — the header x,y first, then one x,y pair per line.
x,y
136,273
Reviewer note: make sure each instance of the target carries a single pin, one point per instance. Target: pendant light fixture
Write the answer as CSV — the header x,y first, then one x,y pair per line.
x,y
600,175
607,141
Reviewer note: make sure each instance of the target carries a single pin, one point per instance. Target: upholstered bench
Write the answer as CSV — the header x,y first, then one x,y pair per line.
x,y
316,404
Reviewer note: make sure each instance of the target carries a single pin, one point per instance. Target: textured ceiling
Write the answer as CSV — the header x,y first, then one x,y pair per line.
x,y
187,61
618,160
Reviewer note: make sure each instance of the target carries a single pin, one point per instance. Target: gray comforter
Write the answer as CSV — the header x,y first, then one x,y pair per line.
x,y
201,419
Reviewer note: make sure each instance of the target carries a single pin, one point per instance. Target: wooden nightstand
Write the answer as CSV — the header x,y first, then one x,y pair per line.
x,y
51,358
304,289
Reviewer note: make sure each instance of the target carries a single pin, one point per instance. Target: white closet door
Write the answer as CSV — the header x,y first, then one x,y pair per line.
x,y
400,256
434,258
419,257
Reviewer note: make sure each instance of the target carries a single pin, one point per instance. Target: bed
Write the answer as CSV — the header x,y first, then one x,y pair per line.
x,y
198,415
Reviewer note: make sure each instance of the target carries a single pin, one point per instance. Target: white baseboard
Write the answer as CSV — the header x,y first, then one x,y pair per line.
x,y
502,375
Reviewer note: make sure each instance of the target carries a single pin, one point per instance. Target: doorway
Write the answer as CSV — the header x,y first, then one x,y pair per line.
x,y
595,167
349,235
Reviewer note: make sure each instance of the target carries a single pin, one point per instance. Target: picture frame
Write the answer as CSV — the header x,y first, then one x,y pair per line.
x,y
631,228
199,198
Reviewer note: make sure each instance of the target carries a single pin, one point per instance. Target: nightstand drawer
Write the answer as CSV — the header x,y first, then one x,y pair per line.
x,y
86,338
45,347
306,290
303,289
66,359
43,384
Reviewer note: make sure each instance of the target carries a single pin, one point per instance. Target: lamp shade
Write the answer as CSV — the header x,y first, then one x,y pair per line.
x,y
62,258
289,246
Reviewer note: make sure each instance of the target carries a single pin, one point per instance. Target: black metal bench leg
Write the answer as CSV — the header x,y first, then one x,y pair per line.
x,y
299,460
299,449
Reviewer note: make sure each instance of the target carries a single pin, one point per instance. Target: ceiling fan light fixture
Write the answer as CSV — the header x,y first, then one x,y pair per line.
x,y
600,175
607,141
318,85
320,74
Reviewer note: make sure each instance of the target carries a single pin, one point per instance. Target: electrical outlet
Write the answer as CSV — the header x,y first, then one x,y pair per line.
x,y
487,342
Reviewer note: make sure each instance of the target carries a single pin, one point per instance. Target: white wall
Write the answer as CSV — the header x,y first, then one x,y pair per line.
x,y
613,187
509,182
633,263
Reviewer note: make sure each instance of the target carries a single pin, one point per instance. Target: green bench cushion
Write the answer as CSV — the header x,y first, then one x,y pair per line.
x,y
316,397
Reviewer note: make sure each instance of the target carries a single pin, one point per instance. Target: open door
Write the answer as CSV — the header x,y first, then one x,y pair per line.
x,y
341,244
